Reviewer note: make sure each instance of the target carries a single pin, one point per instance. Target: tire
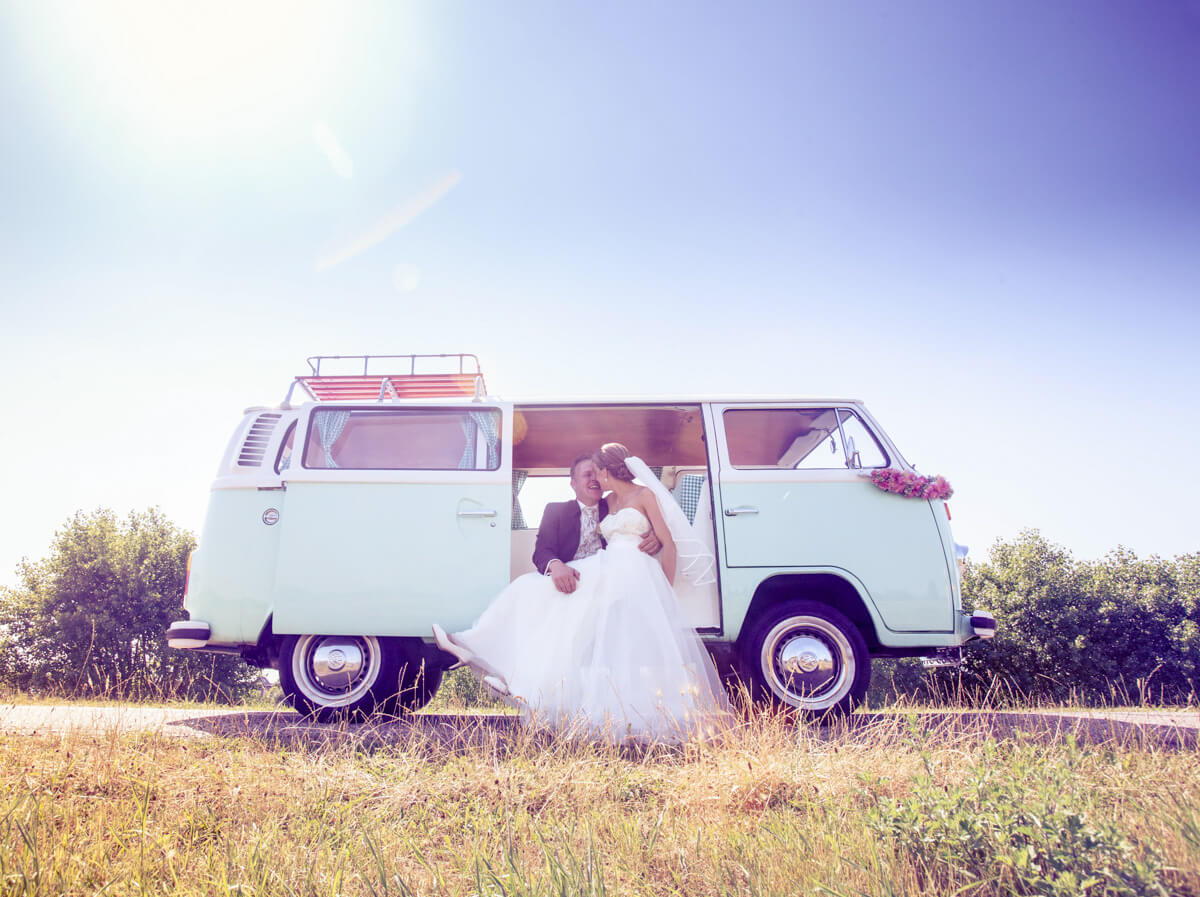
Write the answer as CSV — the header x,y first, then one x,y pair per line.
x,y
415,681
807,656
332,676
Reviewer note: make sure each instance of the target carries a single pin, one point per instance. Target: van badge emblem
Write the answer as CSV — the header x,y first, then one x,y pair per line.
x,y
270,516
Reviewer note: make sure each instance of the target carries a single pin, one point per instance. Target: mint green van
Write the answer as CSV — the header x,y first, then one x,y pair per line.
x,y
389,492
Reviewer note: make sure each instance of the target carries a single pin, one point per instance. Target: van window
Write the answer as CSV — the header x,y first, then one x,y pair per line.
x,y
284,459
800,439
403,439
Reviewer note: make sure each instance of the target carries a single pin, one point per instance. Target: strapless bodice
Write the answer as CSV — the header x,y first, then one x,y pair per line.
x,y
625,525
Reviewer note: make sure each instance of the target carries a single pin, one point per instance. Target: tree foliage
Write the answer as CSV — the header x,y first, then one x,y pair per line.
x,y
91,617
1119,630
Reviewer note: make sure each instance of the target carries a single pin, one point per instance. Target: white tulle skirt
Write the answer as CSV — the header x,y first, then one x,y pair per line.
x,y
615,659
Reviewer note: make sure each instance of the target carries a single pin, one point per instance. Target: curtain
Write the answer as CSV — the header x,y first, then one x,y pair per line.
x,y
518,516
467,461
329,426
485,422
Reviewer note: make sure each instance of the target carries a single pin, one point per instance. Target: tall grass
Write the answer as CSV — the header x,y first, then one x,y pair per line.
x,y
876,806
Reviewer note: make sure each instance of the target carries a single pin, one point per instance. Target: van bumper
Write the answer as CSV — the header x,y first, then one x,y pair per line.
x,y
189,634
970,626
983,624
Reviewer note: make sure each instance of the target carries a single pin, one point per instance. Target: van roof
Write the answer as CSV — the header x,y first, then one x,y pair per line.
x,y
568,401
674,399
457,378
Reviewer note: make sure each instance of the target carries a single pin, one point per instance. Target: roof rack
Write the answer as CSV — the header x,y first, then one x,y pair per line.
x,y
384,378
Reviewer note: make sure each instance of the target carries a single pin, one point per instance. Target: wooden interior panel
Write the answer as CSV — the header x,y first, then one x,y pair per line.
x,y
553,436
759,437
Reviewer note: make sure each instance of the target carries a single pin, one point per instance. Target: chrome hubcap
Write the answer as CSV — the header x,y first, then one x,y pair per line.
x,y
336,670
336,665
807,662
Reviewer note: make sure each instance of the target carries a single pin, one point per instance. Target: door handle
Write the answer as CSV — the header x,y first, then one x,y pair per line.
x,y
743,509
476,513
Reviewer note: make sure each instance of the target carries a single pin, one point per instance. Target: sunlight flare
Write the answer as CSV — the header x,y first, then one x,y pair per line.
x,y
402,215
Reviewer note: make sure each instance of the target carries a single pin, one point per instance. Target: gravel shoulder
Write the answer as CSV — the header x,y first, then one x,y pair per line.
x,y
1170,729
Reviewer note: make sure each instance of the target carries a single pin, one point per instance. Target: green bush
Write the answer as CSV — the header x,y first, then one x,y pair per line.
x,y
91,617
1120,630
462,691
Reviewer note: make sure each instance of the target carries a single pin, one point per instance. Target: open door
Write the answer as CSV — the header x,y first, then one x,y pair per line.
x,y
395,516
793,494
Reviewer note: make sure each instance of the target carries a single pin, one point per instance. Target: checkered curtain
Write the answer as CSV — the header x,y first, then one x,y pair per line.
x,y
687,492
329,426
518,516
487,423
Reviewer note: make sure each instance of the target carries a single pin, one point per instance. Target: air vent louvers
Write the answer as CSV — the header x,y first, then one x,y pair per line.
x,y
254,448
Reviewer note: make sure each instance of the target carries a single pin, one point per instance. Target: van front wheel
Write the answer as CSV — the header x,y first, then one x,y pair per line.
x,y
808,656
332,675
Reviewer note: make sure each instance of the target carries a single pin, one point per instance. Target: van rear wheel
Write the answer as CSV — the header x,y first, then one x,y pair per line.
x,y
333,675
808,656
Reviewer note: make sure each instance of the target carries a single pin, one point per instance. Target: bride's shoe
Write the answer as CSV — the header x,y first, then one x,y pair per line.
x,y
443,641
497,686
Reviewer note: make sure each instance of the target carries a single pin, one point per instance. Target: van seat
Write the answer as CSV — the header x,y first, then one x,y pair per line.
x,y
521,552
700,604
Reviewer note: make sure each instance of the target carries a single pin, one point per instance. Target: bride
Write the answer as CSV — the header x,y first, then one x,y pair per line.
x,y
616,658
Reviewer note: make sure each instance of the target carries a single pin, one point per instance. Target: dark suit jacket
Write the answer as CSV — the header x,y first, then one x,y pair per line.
x,y
558,534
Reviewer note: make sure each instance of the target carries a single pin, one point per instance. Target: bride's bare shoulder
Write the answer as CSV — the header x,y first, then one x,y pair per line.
x,y
646,496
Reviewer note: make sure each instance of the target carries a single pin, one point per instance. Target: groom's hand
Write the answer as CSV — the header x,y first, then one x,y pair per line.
x,y
564,577
650,543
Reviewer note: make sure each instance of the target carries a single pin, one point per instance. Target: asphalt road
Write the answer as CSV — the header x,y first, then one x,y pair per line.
x,y
1174,730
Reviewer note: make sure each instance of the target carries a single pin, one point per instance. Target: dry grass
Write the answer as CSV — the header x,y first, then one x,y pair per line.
x,y
775,809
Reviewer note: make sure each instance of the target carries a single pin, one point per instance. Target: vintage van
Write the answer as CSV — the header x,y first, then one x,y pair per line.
x,y
370,504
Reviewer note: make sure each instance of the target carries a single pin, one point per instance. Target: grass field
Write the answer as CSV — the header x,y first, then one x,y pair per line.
x,y
879,808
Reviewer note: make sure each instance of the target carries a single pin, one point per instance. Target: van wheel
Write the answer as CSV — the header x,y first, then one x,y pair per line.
x,y
332,675
807,656
415,680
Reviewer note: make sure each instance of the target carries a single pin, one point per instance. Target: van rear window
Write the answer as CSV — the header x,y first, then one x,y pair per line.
x,y
403,439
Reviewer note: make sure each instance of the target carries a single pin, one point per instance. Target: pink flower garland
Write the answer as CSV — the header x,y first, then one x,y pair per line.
x,y
911,485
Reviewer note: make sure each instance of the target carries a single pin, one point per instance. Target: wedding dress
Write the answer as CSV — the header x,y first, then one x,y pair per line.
x,y
615,659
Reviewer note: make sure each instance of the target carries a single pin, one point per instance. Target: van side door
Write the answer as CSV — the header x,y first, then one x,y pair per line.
x,y
396,516
793,495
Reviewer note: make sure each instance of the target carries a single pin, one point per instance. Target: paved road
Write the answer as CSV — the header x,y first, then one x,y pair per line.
x,y
1166,729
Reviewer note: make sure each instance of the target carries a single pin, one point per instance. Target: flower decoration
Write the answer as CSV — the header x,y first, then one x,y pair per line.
x,y
911,485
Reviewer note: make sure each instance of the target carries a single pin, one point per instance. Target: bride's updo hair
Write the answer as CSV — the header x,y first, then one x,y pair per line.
x,y
611,457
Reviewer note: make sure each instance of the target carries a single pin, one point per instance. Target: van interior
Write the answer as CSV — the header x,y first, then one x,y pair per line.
x,y
669,438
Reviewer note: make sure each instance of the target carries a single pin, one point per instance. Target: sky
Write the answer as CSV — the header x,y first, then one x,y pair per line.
x,y
982,219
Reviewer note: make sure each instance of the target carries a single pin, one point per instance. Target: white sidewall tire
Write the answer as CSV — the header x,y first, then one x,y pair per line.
x,y
826,628
303,686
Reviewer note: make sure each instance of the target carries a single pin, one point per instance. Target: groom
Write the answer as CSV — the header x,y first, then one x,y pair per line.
x,y
570,530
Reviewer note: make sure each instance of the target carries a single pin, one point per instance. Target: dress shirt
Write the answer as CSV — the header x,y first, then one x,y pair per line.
x,y
589,531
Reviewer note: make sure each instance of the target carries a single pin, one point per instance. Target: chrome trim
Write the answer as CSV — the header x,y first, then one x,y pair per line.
x,y
473,514
744,509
